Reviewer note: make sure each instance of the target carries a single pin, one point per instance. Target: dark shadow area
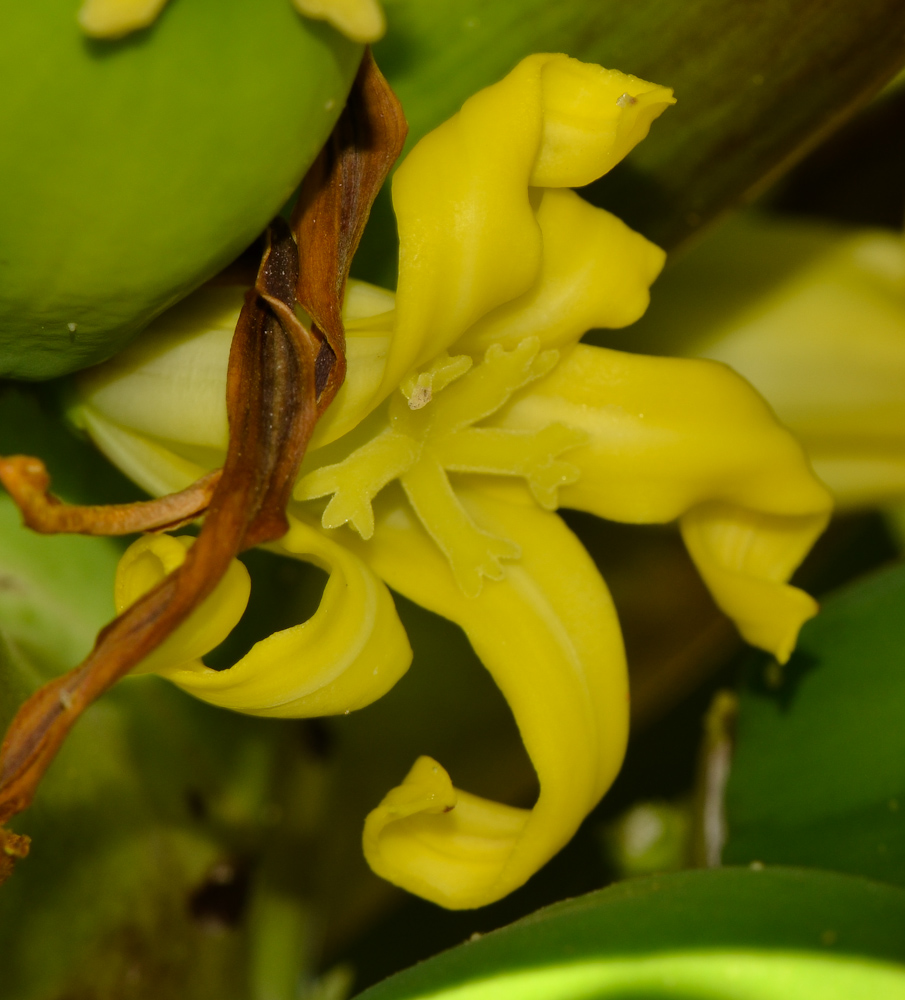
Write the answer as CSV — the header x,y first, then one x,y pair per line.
x,y
856,176
284,592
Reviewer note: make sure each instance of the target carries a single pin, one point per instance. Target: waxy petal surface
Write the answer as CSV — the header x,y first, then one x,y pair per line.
x,y
548,634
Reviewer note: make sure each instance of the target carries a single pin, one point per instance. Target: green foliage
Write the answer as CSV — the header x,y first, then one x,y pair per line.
x,y
818,776
55,591
625,941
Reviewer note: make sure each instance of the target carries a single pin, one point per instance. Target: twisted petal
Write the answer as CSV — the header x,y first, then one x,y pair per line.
x,y
469,239
144,564
548,634
595,272
350,653
482,228
686,439
745,557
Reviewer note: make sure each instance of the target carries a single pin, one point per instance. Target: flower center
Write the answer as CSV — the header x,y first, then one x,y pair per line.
x,y
430,432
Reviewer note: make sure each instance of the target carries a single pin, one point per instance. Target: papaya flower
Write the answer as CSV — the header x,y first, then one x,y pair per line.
x,y
469,414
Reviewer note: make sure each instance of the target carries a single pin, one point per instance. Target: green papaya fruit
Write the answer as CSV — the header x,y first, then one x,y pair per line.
x,y
132,170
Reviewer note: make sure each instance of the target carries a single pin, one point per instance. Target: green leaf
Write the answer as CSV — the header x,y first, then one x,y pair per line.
x,y
776,934
818,776
133,170
757,86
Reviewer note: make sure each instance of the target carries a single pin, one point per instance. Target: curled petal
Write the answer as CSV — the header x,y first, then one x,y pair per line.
x,y
745,558
360,20
469,240
144,564
666,437
595,272
548,634
593,118
348,654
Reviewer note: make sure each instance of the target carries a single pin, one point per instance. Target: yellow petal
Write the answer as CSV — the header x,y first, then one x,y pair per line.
x,y
348,654
360,20
745,558
169,385
114,18
667,438
595,272
827,349
157,468
469,239
144,564
548,634
593,118
369,317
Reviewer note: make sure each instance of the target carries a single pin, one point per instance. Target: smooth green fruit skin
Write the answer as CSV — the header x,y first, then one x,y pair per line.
x,y
131,171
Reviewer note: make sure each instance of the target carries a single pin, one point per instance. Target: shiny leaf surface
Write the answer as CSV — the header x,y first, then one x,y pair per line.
x,y
818,776
642,938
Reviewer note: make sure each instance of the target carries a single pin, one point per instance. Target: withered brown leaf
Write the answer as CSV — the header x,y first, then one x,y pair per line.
x,y
336,199
28,483
275,393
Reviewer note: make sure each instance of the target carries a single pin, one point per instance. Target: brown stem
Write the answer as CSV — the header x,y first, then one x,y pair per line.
x,y
28,483
272,409
333,207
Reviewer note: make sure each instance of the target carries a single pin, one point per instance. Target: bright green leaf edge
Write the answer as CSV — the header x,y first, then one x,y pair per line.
x,y
728,932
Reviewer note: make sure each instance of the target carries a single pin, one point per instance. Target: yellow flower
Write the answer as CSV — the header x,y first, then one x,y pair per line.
x,y
470,412
360,20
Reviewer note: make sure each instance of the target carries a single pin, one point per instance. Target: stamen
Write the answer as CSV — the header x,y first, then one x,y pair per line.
x,y
429,434
419,388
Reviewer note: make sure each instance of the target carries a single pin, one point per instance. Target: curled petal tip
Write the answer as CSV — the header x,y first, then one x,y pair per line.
x,y
115,18
144,564
593,118
361,20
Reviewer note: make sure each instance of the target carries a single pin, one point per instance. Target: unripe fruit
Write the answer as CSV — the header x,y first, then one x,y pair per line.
x,y
131,171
